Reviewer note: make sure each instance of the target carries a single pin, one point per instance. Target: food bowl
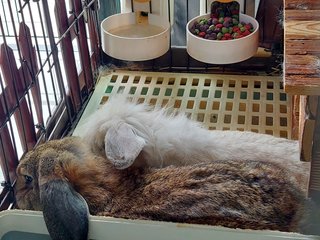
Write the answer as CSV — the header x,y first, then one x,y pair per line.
x,y
123,38
223,51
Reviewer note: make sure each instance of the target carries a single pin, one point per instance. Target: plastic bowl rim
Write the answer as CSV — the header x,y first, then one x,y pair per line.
x,y
222,41
133,38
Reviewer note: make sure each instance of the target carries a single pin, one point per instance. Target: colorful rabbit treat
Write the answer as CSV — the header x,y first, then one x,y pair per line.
x,y
223,23
224,28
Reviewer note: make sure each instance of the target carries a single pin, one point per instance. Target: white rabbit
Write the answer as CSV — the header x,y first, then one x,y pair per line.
x,y
129,133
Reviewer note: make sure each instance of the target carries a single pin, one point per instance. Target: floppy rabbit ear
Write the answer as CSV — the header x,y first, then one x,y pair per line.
x,y
123,145
65,211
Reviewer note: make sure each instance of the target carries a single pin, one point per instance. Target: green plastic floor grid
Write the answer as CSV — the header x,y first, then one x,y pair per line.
x,y
222,102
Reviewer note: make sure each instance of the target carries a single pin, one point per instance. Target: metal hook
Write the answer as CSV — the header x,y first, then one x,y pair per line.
x,y
41,127
7,185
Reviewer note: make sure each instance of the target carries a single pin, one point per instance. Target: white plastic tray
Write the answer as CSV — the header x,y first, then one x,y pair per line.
x,y
25,225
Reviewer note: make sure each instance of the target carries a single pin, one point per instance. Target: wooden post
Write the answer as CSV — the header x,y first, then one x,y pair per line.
x,y
314,183
83,43
94,39
16,97
30,67
68,54
8,156
308,106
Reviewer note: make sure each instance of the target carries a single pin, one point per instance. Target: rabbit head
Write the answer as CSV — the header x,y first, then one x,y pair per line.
x,y
42,185
117,131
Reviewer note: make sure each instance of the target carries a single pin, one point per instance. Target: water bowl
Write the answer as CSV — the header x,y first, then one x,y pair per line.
x,y
125,39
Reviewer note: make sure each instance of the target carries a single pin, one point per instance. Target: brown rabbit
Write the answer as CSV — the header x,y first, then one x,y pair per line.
x,y
67,182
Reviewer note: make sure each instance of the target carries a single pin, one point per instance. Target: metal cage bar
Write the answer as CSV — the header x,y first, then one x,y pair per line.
x,y
40,92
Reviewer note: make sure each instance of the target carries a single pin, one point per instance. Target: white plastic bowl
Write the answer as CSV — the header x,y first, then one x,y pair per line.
x,y
137,46
223,51
27,225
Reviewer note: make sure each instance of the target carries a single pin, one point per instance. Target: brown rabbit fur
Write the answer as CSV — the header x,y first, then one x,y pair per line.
x,y
236,194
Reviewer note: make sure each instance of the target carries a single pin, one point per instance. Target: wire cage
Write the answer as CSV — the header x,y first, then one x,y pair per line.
x,y
49,54
50,57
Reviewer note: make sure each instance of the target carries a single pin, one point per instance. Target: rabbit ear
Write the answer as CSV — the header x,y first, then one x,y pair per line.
x,y
123,145
65,211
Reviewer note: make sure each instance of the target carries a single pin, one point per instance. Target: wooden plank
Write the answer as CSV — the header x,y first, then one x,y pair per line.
x,y
304,64
302,15
295,112
68,54
16,89
308,106
30,67
74,30
314,183
94,39
8,156
9,91
302,30
82,80
11,75
84,50
302,85
302,5
301,47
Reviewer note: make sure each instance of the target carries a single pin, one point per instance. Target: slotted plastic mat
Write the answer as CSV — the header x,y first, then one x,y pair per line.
x,y
223,102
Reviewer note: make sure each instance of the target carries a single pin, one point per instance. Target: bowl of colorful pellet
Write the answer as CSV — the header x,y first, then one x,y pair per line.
x,y
222,37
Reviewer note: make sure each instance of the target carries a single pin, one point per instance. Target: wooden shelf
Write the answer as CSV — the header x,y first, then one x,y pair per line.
x,y
301,47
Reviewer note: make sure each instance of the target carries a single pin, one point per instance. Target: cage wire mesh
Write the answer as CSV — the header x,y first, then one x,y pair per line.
x,y
36,90
45,77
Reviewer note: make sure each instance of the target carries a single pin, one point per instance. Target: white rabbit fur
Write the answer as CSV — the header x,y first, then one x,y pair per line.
x,y
173,139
